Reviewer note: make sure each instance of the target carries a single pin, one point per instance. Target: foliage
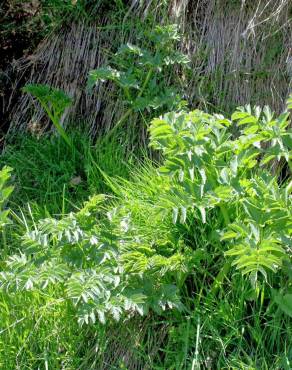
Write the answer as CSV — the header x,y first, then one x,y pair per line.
x,y
5,192
108,265
54,102
213,171
103,268
235,328
159,244
55,178
141,73
165,239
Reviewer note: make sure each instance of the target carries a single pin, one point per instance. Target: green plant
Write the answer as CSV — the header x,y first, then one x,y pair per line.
x,y
103,268
107,260
212,171
54,102
5,192
55,178
141,73
236,327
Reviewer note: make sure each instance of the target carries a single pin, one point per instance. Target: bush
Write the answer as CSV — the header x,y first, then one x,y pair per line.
x,y
203,243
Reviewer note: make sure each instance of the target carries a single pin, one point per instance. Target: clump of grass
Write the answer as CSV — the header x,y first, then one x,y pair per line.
x,y
55,178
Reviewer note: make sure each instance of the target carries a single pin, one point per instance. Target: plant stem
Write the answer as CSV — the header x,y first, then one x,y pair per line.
x,y
226,268
5,248
57,124
220,277
129,111
149,74
118,124
127,93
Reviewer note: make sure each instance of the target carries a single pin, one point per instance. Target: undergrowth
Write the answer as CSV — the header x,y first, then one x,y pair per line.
x,y
55,178
198,247
113,262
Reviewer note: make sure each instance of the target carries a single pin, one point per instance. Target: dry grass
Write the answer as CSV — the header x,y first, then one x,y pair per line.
x,y
239,53
246,48
124,346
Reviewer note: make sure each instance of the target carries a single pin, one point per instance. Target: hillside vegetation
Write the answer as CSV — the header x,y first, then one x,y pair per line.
x,y
145,185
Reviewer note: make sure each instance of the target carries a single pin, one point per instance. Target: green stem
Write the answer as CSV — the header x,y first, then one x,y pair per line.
x,y
149,74
226,268
129,111
118,124
128,95
220,277
5,249
57,124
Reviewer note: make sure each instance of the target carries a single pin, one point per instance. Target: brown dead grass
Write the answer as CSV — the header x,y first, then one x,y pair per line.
x,y
239,52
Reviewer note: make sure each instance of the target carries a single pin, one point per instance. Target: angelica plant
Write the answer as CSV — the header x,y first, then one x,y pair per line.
x,y
213,170
140,73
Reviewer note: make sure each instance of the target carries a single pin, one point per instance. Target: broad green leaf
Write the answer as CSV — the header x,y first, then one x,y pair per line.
x,y
284,302
102,74
289,102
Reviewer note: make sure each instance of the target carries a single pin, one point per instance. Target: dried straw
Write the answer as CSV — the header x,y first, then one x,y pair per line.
x,y
239,54
127,344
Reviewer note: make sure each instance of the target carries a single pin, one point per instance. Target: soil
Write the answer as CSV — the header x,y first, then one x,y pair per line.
x,y
19,34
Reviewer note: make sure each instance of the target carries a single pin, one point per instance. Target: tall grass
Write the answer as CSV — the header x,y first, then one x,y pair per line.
x,y
56,179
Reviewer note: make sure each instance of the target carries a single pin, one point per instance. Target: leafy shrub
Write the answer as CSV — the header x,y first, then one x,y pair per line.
x,y
104,268
215,171
141,73
132,256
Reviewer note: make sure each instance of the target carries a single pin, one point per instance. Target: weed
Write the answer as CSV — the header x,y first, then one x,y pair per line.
x,y
140,73
54,102
55,178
